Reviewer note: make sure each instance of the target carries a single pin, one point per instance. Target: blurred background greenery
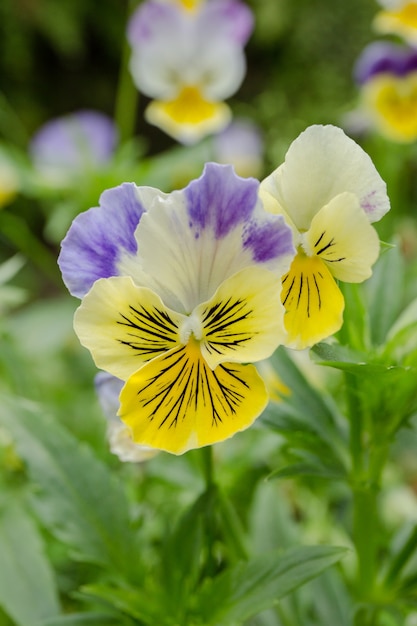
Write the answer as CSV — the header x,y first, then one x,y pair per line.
x,y
59,56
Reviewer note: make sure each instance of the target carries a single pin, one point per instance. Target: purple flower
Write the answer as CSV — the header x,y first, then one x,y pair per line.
x,y
73,143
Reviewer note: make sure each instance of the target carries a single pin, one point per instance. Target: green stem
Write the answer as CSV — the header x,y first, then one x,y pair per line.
x,y
365,524
127,95
365,515
233,529
207,466
356,427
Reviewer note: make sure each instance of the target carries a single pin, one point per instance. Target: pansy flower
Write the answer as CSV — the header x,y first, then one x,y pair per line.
x,y
329,192
108,389
179,292
398,17
188,57
73,143
387,75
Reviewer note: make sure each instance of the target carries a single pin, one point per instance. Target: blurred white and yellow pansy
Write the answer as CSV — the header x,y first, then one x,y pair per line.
x,y
188,57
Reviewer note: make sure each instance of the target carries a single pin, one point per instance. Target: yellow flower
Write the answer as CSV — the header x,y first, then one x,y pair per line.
x,y
399,19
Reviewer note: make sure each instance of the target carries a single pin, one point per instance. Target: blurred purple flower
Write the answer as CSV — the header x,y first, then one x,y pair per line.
x,y
73,142
240,144
385,57
387,75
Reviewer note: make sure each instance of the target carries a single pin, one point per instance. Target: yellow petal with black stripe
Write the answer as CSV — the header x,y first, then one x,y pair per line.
x,y
124,325
176,402
313,302
341,235
243,321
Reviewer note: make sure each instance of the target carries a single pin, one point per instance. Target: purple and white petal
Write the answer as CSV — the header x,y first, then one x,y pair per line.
x,y
233,19
100,238
173,48
162,39
192,240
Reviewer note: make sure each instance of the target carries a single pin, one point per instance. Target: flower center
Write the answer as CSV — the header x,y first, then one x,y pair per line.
x,y
191,326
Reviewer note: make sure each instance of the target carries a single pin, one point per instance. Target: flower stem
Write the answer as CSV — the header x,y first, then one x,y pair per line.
x,y
207,466
127,95
365,514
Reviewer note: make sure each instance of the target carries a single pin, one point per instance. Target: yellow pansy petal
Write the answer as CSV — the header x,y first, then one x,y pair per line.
x,y
243,321
176,402
124,326
342,237
392,102
314,303
189,117
402,21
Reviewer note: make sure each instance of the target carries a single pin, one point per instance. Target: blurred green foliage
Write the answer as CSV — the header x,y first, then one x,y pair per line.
x,y
71,515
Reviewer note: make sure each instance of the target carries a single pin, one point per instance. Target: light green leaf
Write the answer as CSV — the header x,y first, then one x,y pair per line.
x,y
78,500
385,293
140,604
27,587
251,587
308,469
83,619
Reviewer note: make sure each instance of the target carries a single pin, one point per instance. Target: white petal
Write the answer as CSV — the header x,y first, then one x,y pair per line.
x,y
320,164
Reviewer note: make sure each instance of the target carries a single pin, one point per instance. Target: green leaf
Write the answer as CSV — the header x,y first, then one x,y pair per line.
x,y
251,587
385,292
79,500
138,603
181,553
306,401
308,469
27,587
83,619
307,417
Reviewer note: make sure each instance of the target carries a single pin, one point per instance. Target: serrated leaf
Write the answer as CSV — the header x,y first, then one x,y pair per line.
x,y
251,587
79,500
27,587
